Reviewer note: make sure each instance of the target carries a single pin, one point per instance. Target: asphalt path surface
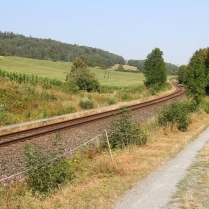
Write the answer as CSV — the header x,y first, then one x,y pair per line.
x,y
155,191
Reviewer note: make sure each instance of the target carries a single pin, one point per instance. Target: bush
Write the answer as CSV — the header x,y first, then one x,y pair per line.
x,y
155,88
125,97
205,106
86,103
81,77
5,118
123,131
175,114
43,172
111,101
70,88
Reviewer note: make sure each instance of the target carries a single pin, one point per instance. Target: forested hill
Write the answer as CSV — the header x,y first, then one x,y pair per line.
x,y
47,49
171,68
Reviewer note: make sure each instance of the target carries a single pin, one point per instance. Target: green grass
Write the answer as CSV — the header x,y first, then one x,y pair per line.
x,y
114,78
43,68
59,70
20,102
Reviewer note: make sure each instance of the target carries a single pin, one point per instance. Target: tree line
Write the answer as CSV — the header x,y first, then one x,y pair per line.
x,y
171,68
47,49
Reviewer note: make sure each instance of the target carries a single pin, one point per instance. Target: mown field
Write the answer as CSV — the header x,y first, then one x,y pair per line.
x,y
59,70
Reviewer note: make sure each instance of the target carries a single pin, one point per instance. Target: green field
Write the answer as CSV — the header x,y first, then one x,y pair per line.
x,y
43,68
59,70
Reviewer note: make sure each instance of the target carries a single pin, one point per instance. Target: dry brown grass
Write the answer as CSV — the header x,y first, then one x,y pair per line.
x,y
100,183
126,67
108,182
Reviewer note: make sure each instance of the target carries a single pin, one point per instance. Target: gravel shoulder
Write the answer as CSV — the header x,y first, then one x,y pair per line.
x,y
156,190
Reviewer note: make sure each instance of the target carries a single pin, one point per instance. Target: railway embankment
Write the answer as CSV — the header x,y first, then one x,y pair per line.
x,y
11,161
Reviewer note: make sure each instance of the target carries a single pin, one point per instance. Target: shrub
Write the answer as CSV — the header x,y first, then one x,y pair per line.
x,y
3,107
125,97
44,172
124,131
5,118
70,87
175,114
81,77
86,103
205,106
111,101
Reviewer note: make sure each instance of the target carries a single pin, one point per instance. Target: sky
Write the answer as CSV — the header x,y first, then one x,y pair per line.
x,y
129,28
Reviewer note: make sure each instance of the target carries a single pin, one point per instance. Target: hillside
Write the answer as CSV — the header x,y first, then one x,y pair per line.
x,y
47,49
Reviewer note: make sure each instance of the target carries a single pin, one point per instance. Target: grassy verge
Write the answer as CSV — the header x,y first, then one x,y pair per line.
x,y
99,182
21,102
193,189
25,102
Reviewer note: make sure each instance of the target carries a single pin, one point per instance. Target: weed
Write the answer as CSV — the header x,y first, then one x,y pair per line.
x,y
45,172
124,131
125,97
111,101
86,103
175,114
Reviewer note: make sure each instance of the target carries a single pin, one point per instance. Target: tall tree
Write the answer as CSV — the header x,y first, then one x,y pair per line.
x,y
196,76
2,53
155,70
182,74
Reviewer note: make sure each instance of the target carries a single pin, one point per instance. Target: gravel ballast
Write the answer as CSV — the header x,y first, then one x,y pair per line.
x,y
155,191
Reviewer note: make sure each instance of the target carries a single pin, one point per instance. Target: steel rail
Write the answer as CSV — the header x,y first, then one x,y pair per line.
x,y
24,135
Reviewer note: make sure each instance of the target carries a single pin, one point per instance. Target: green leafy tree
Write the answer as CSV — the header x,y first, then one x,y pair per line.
x,y
81,76
196,77
170,68
155,70
2,53
182,74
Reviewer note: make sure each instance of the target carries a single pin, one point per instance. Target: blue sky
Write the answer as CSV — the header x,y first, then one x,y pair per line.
x,y
130,28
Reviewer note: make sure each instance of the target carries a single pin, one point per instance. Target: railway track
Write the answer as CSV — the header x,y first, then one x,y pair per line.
x,y
29,134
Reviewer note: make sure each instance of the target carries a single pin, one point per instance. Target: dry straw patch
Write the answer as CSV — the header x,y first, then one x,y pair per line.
x,y
100,183
126,67
108,182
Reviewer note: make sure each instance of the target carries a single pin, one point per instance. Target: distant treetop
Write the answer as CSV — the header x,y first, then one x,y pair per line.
x,y
171,68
